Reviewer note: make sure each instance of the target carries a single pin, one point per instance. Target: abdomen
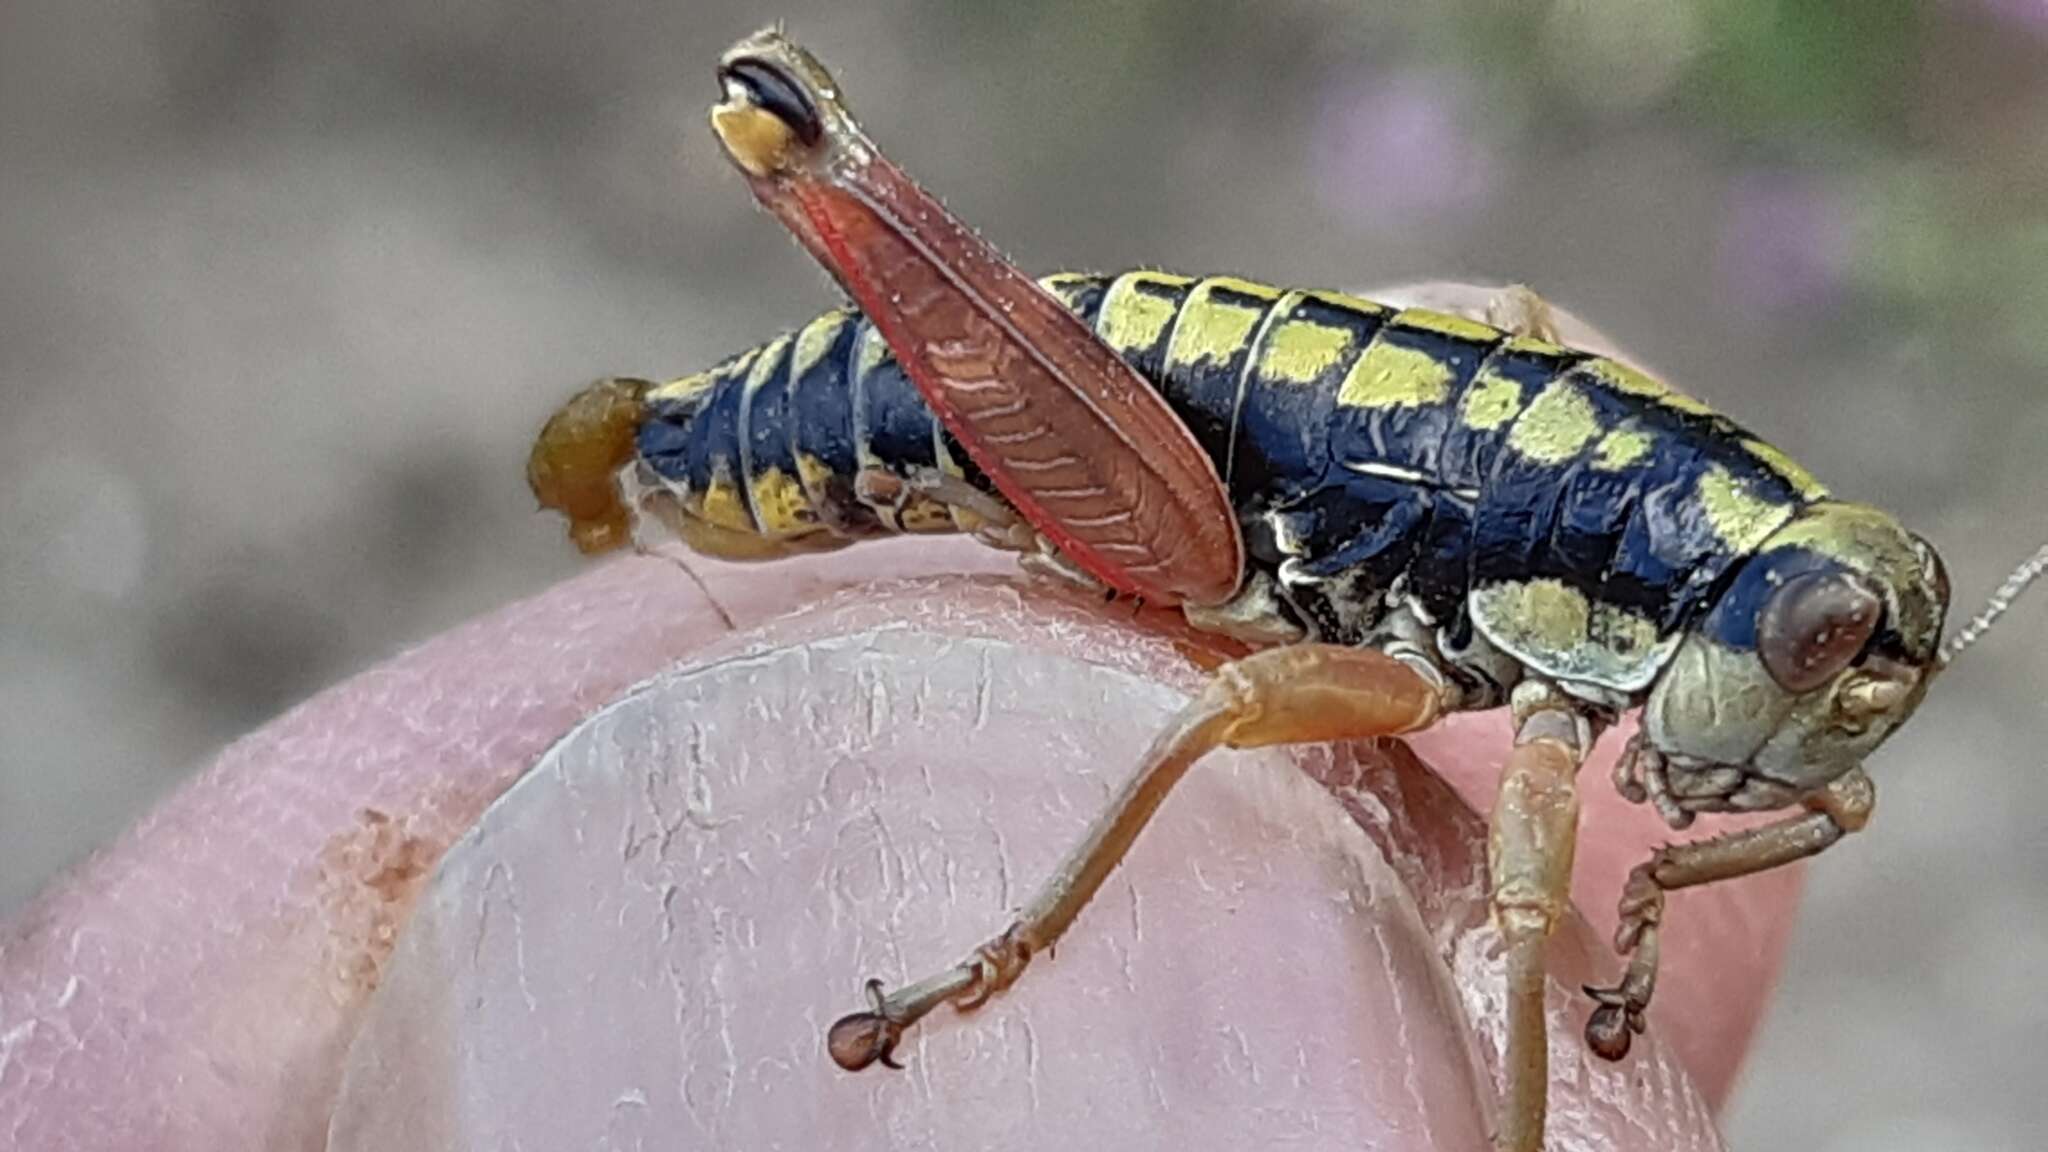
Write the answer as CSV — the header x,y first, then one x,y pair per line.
x,y
1374,456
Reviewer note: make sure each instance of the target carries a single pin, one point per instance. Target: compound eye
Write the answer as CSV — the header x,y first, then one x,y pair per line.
x,y
1814,626
776,92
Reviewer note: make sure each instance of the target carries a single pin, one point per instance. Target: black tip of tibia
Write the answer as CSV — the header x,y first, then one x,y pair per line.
x,y
863,1038
1608,1031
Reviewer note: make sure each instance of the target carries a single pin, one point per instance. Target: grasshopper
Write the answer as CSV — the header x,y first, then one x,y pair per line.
x,y
1405,514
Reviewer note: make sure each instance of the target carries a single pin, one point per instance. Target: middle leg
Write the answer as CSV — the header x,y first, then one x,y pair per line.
x,y
1531,842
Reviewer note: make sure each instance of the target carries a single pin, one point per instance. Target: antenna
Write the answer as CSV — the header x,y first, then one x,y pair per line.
x,y
2032,569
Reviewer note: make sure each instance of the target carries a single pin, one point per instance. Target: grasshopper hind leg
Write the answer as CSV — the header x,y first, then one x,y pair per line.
x,y
1302,694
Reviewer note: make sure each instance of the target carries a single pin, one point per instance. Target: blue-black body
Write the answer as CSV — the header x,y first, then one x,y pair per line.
x,y
1377,458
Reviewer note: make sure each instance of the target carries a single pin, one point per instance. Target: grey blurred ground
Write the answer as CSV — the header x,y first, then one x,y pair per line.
x,y
286,287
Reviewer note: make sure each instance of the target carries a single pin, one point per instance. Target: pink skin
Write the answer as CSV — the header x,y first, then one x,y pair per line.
x,y
198,984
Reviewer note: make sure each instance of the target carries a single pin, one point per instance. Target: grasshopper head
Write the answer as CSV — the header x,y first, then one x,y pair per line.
x,y
1820,646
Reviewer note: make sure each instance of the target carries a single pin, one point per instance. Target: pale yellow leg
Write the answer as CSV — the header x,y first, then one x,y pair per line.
x,y
1837,810
1530,845
1519,311
1301,694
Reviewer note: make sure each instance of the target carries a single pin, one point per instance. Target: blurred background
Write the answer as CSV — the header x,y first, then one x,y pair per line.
x,y
286,287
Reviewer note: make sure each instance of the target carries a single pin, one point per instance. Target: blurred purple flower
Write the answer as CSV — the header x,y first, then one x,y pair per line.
x,y
1785,246
1393,152
2032,14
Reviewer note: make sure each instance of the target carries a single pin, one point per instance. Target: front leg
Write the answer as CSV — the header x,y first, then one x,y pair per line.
x,y
1837,810
1532,838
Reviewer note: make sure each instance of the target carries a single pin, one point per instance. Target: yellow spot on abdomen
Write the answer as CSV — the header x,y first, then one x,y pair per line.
x,y
1390,376
815,474
1621,448
1347,302
1439,322
1300,351
1740,518
1533,345
868,352
781,505
1490,402
1131,319
764,364
1619,377
1557,425
687,388
1066,286
722,505
1209,329
708,539
1251,288
815,340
